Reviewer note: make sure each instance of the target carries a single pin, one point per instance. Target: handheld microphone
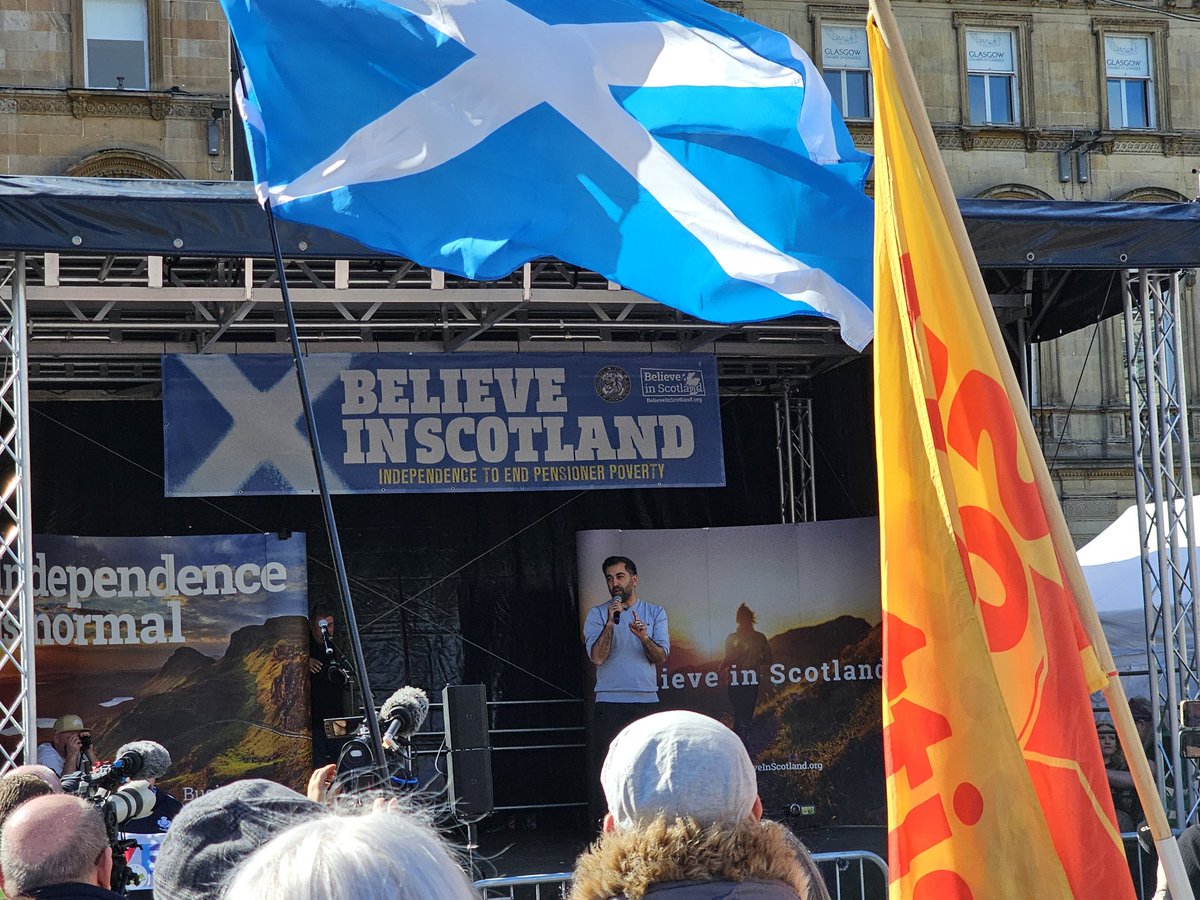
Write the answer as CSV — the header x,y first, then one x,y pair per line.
x,y
404,712
617,614
154,757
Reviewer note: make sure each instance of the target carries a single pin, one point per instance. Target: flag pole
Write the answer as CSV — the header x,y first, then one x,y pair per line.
x,y
1139,767
335,544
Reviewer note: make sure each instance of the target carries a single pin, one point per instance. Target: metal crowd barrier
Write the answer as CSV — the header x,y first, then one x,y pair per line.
x,y
849,875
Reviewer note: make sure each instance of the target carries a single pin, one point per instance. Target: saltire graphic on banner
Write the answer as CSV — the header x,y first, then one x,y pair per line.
x,y
996,786
677,149
400,423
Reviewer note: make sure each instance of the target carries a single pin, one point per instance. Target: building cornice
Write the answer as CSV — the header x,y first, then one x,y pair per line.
x,y
157,105
1046,140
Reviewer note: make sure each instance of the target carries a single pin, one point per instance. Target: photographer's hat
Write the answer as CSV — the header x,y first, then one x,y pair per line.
x,y
68,723
678,763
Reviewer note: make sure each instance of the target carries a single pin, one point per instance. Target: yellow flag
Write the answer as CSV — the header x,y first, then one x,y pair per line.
x,y
996,787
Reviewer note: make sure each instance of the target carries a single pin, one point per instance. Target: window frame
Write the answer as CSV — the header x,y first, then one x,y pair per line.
x,y
1008,79
843,70
1156,33
1020,27
844,16
1144,85
154,44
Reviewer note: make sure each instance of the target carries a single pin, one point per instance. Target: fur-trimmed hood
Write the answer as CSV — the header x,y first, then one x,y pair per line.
x,y
762,857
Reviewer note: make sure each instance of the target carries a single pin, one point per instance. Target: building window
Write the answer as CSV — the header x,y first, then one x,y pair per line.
x,y
1129,79
116,44
995,78
992,97
847,68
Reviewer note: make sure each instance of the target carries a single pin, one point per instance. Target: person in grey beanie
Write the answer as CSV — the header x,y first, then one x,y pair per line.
x,y
685,822
219,830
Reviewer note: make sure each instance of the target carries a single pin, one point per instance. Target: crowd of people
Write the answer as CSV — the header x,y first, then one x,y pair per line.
x,y
683,816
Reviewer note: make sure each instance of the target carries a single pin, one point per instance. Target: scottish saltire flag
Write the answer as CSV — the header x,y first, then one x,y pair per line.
x,y
679,150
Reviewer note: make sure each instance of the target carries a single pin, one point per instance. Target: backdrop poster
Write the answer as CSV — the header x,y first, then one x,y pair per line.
x,y
410,423
199,643
803,676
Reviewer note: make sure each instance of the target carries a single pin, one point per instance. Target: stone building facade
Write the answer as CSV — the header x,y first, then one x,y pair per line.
x,y
119,88
1058,101
1069,100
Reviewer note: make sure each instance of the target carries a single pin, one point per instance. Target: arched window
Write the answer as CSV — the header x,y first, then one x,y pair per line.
x,y
1013,192
121,163
1153,195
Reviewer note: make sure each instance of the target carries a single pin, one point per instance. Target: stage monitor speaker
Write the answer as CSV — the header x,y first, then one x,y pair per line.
x,y
469,782
464,708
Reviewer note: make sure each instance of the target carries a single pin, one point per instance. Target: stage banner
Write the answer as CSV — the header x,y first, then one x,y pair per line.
x,y
199,643
441,422
775,630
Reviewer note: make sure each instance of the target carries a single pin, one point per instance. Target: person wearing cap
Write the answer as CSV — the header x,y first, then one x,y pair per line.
x,y
218,830
1143,719
65,751
685,821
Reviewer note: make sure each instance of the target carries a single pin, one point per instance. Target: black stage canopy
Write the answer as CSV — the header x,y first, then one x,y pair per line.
x,y
1072,248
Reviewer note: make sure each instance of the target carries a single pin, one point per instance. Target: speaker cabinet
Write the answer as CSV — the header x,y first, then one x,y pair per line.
x,y
464,707
470,784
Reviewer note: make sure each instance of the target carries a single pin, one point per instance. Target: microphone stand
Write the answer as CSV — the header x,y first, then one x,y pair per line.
x,y
335,545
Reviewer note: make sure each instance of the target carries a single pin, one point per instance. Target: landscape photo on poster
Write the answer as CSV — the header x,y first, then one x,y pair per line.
x,y
199,643
775,630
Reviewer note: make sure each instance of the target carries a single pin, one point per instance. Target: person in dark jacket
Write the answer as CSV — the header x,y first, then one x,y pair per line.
x,y
55,848
685,822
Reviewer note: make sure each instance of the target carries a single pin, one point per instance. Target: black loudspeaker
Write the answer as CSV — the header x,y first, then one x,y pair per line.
x,y
470,784
464,707
469,774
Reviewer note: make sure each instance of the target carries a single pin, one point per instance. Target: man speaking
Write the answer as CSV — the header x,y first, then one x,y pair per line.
x,y
627,640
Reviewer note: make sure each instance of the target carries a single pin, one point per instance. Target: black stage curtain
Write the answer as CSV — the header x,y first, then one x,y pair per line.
x,y
452,588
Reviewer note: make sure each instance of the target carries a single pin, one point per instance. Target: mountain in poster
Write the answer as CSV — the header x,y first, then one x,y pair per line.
x,y
833,727
816,741
244,715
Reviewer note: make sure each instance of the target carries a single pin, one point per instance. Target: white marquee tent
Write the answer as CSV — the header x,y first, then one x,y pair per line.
x,y
1112,565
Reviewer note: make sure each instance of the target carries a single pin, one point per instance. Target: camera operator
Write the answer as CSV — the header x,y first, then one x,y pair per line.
x,y
56,848
329,676
69,750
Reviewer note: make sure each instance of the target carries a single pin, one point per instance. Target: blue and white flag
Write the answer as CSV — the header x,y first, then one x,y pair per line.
x,y
679,150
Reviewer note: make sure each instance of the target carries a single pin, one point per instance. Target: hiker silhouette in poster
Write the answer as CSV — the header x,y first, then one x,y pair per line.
x,y
746,651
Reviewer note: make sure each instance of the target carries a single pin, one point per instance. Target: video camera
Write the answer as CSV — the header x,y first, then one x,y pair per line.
x,y
403,714
118,799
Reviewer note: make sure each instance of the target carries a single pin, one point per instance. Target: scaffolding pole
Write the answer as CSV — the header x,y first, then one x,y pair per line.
x,y
18,709
794,448
1163,487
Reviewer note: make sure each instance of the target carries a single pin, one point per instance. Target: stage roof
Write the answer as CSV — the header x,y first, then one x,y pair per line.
x,y
145,267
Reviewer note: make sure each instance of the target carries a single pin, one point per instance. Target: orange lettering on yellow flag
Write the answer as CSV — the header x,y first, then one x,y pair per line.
x,y
996,787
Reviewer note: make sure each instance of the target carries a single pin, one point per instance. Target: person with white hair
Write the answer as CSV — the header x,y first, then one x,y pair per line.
x,y
685,821
380,855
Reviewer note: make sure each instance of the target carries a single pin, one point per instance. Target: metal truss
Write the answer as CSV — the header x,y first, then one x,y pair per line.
x,y
794,445
18,707
105,321
1163,487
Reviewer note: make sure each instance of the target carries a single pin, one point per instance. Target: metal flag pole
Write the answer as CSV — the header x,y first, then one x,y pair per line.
x,y
335,545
